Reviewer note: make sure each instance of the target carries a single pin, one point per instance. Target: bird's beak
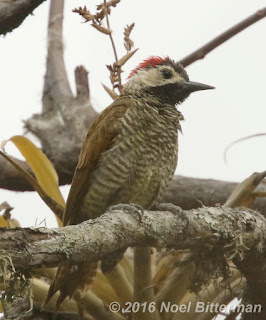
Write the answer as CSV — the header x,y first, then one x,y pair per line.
x,y
191,86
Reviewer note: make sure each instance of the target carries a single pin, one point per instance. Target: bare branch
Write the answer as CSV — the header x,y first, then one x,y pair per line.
x,y
82,84
56,85
186,192
65,119
13,13
189,193
216,42
11,179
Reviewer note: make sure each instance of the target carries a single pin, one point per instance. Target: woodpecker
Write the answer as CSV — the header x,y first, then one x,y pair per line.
x,y
129,154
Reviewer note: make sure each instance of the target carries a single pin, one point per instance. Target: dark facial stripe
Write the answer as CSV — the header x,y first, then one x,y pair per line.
x,y
170,93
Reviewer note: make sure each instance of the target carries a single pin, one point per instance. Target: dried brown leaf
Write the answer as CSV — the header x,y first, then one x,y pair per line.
x,y
6,206
7,209
103,10
106,5
101,29
100,6
111,3
79,9
100,15
125,58
128,42
84,13
112,78
128,29
128,45
109,67
111,92
5,218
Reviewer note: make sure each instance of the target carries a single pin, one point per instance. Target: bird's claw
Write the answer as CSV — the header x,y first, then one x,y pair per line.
x,y
175,210
131,208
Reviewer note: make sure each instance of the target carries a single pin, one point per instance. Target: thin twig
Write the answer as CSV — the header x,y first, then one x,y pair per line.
x,y
114,49
208,47
240,140
110,34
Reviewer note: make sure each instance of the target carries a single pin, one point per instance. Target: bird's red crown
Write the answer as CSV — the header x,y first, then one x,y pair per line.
x,y
147,63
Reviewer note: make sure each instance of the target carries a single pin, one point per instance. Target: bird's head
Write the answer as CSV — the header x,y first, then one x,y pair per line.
x,y
164,79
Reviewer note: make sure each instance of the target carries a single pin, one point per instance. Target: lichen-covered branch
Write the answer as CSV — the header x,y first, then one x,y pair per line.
x,y
214,235
235,230
13,13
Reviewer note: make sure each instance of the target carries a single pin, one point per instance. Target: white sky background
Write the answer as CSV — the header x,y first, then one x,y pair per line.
x,y
176,28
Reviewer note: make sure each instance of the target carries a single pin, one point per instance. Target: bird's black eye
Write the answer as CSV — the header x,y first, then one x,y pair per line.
x,y
167,73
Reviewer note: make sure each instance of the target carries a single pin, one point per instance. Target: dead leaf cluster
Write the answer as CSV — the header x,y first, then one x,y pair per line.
x,y
103,10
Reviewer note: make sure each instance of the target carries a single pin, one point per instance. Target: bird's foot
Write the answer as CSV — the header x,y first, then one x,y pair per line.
x,y
175,210
131,208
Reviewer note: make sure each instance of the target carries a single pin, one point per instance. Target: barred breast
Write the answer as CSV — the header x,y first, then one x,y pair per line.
x,y
140,163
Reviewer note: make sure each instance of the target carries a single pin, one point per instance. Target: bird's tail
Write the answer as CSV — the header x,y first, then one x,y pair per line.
x,y
70,279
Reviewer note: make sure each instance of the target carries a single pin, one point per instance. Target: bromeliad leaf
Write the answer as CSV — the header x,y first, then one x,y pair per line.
x,y
47,179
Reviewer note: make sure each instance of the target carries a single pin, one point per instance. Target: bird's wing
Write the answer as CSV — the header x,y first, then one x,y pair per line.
x,y
99,139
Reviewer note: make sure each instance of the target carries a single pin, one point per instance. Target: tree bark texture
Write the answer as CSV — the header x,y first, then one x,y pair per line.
x,y
13,13
240,230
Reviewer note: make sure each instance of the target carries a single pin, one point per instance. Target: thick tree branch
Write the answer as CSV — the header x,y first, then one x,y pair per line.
x,y
216,42
13,13
65,118
186,192
213,234
56,85
189,193
10,178
89,241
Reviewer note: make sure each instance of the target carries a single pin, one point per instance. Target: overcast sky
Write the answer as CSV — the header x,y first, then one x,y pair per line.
x,y
213,119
